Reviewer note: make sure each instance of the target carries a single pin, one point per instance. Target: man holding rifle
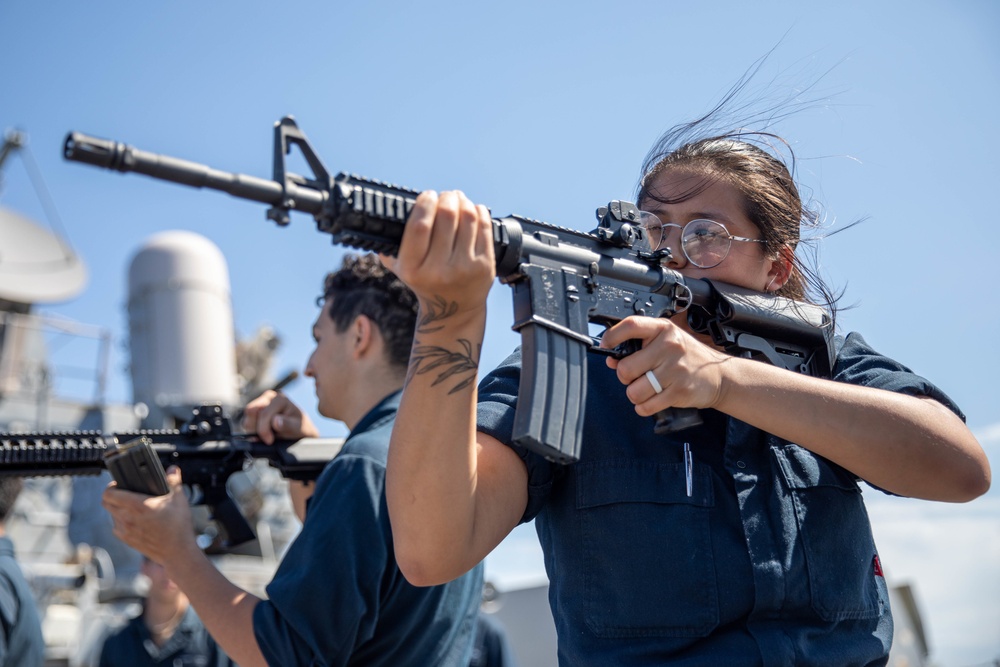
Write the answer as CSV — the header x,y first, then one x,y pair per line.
x,y
338,597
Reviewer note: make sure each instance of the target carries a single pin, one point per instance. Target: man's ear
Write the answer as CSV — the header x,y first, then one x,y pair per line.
x,y
362,333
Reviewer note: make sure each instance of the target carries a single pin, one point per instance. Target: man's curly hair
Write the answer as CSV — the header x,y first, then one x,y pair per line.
x,y
363,286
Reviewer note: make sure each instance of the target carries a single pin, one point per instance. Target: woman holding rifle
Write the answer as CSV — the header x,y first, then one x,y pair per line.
x,y
766,557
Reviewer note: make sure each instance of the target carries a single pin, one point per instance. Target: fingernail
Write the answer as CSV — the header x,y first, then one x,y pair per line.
x,y
279,421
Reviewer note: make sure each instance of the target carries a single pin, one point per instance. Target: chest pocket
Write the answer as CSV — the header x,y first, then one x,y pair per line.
x,y
835,534
646,550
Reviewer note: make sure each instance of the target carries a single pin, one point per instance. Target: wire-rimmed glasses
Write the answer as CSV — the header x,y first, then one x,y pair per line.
x,y
704,242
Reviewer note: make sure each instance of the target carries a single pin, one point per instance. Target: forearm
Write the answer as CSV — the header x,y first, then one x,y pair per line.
x,y
439,482
451,498
904,444
224,608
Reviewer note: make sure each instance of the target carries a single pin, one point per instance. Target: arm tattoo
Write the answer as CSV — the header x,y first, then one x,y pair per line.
x,y
438,310
432,358
429,358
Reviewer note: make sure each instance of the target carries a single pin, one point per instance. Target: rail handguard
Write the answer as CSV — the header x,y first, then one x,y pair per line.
x,y
205,449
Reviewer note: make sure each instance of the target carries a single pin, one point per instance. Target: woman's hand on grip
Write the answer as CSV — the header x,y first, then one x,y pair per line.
x,y
689,372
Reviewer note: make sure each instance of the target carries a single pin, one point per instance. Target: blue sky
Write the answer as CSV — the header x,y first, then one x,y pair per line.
x,y
547,109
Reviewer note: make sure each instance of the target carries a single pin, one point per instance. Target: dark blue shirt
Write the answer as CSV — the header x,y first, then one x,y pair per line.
x,y
338,597
771,561
189,646
21,641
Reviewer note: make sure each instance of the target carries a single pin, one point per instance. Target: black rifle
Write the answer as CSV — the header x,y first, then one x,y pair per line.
x,y
563,280
205,449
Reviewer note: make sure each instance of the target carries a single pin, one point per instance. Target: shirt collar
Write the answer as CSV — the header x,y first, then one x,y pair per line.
x,y
384,409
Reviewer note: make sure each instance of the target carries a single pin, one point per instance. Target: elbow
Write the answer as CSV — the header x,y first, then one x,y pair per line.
x,y
421,560
424,560
417,574
974,483
423,569
979,483
427,553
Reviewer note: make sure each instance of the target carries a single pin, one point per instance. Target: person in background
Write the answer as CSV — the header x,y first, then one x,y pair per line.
x,y
492,647
168,632
338,597
21,640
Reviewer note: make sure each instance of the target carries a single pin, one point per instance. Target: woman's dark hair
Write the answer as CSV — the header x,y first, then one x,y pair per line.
x,y
760,165
363,286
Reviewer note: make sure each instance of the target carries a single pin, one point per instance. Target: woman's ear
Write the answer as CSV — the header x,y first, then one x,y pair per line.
x,y
780,270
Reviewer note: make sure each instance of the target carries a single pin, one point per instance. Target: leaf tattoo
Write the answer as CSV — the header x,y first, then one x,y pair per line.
x,y
437,310
429,358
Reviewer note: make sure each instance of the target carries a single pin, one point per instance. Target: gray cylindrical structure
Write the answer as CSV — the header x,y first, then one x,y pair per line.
x,y
181,330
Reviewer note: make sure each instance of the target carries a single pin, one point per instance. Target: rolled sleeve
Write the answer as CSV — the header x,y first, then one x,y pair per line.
x,y
495,417
858,363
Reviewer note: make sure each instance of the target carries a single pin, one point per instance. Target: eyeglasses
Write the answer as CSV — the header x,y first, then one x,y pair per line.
x,y
705,243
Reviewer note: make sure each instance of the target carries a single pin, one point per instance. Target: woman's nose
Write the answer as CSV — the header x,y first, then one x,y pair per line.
x,y
672,242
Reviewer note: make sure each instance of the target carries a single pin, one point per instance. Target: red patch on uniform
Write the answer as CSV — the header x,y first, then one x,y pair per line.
x,y
878,566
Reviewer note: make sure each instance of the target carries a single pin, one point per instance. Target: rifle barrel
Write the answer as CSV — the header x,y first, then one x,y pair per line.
x,y
117,156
